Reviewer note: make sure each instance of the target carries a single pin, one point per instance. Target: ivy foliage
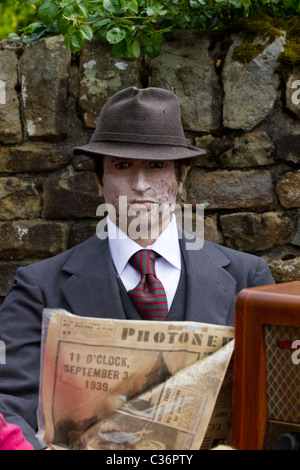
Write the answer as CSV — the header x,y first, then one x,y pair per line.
x,y
134,25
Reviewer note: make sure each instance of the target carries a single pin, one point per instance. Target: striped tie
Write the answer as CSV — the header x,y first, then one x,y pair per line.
x,y
149,295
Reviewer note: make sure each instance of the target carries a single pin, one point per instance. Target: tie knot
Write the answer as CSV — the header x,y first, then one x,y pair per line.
x,y
143,261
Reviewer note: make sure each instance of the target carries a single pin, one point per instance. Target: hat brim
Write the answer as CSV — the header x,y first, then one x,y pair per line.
x,y
138,151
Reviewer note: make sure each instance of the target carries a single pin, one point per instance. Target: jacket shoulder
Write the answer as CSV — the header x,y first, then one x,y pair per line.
x,y
252,268
79,252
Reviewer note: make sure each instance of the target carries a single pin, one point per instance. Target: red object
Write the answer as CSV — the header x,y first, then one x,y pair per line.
x,y
149,296
285,344
11,437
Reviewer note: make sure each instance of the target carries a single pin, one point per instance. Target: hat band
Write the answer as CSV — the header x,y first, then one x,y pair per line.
x,y
140,139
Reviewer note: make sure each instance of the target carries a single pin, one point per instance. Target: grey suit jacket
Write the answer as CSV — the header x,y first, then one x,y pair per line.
x,y
83,281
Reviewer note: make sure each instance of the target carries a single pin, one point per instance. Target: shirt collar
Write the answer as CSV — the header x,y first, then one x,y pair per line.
x,y
122,247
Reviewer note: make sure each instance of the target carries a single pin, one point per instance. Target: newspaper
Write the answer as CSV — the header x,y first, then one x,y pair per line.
x,y
133,385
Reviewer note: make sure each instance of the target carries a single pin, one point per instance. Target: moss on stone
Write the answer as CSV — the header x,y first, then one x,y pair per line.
x,y
290,57
267,29
247,52
254,28
259,26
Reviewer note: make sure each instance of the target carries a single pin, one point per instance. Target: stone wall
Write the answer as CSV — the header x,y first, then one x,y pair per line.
x,y
245,115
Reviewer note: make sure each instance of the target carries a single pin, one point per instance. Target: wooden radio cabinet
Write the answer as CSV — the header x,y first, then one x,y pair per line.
x,y
266,384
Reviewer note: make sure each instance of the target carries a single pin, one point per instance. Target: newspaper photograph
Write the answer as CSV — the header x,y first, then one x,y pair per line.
x,y
133,385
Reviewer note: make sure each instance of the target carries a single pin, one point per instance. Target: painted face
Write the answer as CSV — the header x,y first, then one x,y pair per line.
x,y
140,194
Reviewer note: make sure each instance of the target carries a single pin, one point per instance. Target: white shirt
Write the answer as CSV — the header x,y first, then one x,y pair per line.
x,y
167,268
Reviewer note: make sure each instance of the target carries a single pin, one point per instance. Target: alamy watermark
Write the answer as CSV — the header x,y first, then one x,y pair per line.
x,y
2,352
2,92
292,345
296,94
296,354
139,221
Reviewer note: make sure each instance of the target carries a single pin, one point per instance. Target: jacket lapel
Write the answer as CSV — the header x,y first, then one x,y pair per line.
x,y
210,288
92,288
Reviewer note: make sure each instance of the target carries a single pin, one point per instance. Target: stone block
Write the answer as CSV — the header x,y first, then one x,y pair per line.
x,y
70,194
31,159
20,198
44,70
36,238
10,120
211,231
81,231
251,90
288,148
288,189
253,232
252,149
7,274
249,150
224,189
214,148
285,270
102,74
296,237
187,68
82,163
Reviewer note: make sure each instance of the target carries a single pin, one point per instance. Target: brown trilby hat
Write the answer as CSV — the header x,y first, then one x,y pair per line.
x,y
141,124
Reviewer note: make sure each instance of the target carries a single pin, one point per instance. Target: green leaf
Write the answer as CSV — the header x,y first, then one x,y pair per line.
x,y
70,12
35,2
122,49
111,5
156,8
154,47
101,23
47,11
143,39
115,35
64,3
83,10
150,11
129,24
62,25
77,41
87,32
68,36
235,3
101,33
136,48
33,26
134,6
13,36
39,33
131,5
